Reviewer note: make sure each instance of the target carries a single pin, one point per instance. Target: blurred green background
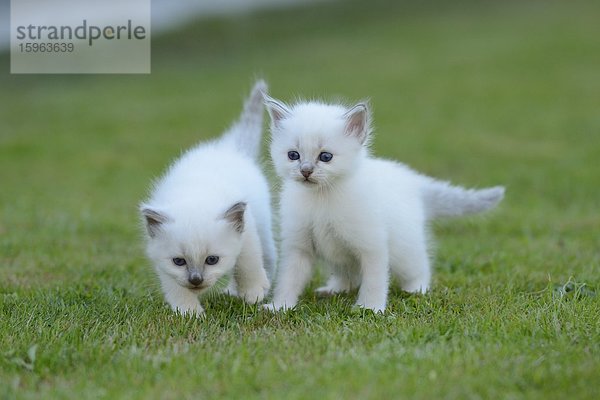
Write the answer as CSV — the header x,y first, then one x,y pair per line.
x,y
477,92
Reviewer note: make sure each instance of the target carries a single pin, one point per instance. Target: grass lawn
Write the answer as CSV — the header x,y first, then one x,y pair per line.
x,y
481,93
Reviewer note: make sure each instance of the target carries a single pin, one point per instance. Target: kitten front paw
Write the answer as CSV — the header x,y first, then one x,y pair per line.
x,y
231,289
192,310
376,308
255,293
276,307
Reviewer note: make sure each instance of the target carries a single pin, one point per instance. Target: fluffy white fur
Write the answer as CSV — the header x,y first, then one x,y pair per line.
x,y
214,201
364,216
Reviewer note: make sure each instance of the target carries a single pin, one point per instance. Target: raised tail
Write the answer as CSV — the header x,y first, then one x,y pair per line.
x,y
246,133
444,200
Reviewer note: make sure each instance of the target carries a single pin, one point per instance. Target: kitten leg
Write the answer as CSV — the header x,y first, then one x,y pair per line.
x,y
418,285
250,276
419,278
335,284
182,300
412,267
297,253
268,248
269,251
293,276
231,288
375,281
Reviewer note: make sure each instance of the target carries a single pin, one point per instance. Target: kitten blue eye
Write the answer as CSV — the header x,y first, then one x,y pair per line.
x,y
325,156
180,262
211,260
293,155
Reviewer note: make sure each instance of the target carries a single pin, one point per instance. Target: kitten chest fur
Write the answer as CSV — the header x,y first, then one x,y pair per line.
x,y
341,225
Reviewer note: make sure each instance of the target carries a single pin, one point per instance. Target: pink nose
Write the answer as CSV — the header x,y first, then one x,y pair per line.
x,y
306,173
306,169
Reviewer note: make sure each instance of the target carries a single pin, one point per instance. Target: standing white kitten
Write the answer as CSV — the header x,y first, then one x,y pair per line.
x,y
210,214
364,216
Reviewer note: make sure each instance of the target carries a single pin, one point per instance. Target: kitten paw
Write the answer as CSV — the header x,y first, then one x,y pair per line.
x,y
335,284
376,308
417,286
328,291
231,289
191,310
253,295
276,307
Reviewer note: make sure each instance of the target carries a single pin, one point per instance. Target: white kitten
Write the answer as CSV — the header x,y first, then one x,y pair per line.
x,y
364,216
210,215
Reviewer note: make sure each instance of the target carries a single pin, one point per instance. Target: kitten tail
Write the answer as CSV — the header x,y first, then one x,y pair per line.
x,y
444,200
246,133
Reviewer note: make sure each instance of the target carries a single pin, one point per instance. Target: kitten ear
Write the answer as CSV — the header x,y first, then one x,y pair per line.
x,y
153,218
278,110
357,122
235,216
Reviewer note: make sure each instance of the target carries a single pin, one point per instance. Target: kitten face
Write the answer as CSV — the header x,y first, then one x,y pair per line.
x,y
316,144
194,251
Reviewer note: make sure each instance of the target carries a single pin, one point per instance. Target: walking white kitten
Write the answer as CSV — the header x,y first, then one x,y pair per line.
x,y
364,216
210,215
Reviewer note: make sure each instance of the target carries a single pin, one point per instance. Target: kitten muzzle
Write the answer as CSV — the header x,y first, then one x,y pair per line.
x,y
306,169
195,279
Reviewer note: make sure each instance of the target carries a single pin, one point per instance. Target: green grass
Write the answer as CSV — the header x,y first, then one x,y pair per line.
x,y
481,93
